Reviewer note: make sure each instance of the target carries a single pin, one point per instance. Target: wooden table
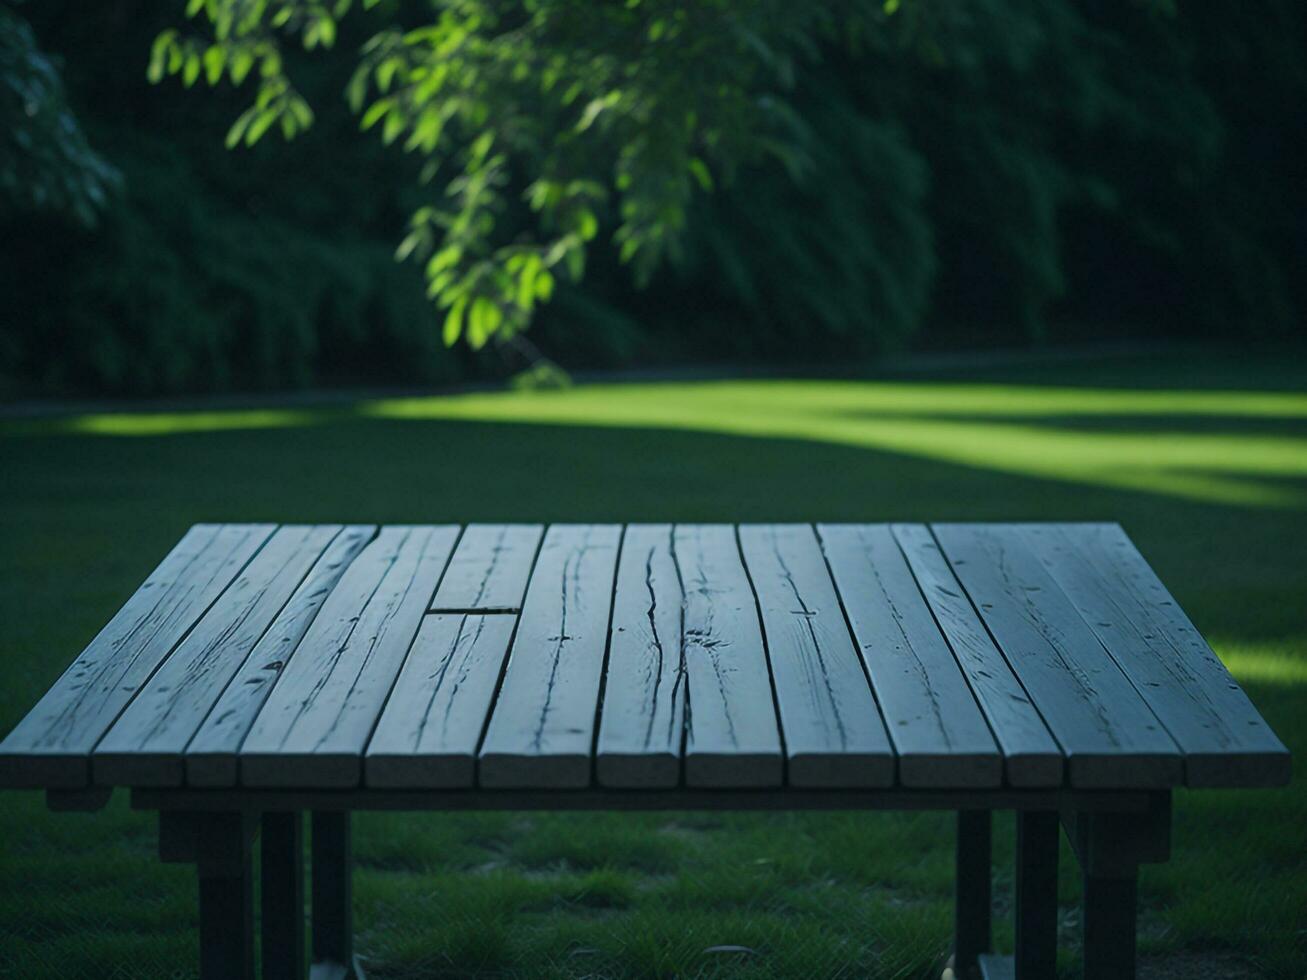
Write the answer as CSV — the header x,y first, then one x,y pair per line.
x,y
264,671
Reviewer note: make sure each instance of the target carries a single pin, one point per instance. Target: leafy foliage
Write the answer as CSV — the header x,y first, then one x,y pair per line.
x,y
629,106
46,163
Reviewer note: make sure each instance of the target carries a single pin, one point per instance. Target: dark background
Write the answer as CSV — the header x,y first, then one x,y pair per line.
x,y
1048,173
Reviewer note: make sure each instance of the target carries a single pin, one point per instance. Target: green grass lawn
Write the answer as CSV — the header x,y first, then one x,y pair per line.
x,y
1202,459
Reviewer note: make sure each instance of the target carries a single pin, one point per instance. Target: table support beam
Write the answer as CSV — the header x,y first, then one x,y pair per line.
x,y
972,899
333,924
1036,896
282,899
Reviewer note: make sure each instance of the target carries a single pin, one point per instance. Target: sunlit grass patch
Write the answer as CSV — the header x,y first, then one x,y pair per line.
x,y
1265,663
1031,430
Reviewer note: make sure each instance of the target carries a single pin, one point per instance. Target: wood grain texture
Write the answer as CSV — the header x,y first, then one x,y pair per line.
x,y
642,726
1031,756
542,727
733,737
51,746
211,757
938,731
1109,735
490,569
144,746
314,726
428,733
834,732
1225,741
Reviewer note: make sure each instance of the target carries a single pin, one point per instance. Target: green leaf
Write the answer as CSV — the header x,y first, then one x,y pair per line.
x,y
591,113
357,90
446,258
532,266
260,125
240,64
410,243
238,128
191,71
426,134
386,73
454,322
701,173
375,112
576,263
301,111
484,321
159,53
213,62
587,225
544,286
394,126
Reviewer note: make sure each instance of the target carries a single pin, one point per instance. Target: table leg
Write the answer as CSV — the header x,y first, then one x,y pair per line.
x,y
1036,895
972,899
1110,847
1108,920
282,883
222,852
333,925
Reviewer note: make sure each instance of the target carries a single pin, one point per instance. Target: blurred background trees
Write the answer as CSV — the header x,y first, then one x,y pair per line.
x,y
993,172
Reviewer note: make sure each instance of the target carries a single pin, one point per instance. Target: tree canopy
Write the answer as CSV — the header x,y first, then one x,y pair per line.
x,y
858,179
628,106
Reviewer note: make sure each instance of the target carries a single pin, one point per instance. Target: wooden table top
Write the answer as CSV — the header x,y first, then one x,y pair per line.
x,y
835,656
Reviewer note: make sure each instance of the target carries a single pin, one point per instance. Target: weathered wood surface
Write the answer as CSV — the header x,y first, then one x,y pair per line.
x,y
1109,735
1225,741
642,727
51,746
1031,756
430,727
542,727
315,724
834,732
211,756
934,722
732,736
490,569
652,659
144,746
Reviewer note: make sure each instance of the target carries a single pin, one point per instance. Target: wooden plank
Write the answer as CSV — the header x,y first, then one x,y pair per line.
x,y
542,727
314,726
210,757
429,730
938,731
642,726
51,746
144,746
490,568
733,737
1225,741
1110,737
834,732
1031,756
